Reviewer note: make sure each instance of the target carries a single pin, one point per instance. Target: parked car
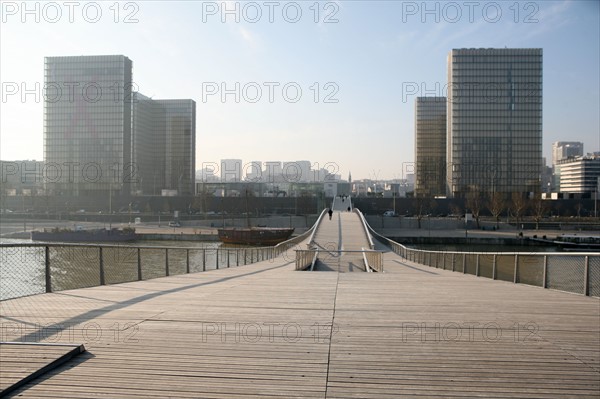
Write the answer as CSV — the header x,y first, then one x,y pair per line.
x,y
174,224
389,213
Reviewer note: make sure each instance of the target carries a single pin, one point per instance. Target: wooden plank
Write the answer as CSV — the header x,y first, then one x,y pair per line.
x,y
24,362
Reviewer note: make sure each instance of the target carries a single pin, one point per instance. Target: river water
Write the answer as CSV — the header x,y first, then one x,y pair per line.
x,y
22,269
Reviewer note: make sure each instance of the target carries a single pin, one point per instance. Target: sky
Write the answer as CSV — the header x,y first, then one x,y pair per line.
x,y
332,82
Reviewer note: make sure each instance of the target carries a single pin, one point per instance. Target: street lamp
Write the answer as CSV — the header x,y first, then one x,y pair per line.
x,y
596,199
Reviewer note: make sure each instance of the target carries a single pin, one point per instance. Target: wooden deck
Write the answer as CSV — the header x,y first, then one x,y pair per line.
x,y
344,232
267,331
23,362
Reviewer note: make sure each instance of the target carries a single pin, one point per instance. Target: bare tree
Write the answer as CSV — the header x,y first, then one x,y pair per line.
x,y
474,203
518,206
579,208
166,207
539,208
496,205
455,210
420,209
433,206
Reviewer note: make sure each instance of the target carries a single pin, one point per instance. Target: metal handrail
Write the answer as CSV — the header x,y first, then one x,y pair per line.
x,y
315,228
432,258
314,261
365,227
368,269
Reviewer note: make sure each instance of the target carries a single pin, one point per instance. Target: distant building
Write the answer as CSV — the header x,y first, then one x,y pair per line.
x,y
207,175
22,177
494,122
273,172
580,174
563,150
566,149
231,170
430,146
253,171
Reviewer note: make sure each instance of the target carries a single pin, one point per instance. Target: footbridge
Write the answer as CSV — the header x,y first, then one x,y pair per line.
x,y
340,242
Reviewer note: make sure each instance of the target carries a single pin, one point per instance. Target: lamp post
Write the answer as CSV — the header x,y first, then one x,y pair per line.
x,y
596,199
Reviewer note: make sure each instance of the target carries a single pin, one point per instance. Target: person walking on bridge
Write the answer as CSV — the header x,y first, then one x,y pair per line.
x,y
330,212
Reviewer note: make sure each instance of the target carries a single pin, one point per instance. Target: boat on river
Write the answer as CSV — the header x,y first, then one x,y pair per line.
x,y
82,235
254,235
573,242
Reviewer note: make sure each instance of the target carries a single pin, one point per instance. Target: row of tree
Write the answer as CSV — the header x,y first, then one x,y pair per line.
x,y
496,204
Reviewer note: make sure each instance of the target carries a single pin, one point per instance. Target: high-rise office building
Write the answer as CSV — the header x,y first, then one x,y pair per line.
x,y
494,121
99,136
87,124
164,137
148,127
430,146
179,145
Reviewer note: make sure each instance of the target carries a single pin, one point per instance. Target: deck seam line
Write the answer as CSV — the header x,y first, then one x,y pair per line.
x,y
337,283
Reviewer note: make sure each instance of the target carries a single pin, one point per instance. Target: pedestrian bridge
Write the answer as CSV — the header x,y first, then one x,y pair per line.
x,y
430,325
340,243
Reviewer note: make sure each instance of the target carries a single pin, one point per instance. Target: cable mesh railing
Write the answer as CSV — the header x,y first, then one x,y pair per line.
x,y
572,272
28,269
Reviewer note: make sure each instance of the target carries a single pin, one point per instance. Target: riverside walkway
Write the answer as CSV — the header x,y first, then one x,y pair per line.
x,y
267,331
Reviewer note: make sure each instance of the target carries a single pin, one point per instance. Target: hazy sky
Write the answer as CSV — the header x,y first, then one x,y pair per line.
x,y
356,63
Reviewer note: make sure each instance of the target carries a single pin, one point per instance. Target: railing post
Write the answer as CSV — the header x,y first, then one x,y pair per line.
x,y
245,255
464,263
47,264
477,266
217,264
167,262
516,268
139,264
227,258
187,261
237,257
586,277
545,275
453,261
494,268
102,282
444,261
204,260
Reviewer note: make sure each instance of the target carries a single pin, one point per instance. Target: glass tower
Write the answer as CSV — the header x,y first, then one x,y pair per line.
x,y
494,123
87,124
164,137
430,146
179,145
